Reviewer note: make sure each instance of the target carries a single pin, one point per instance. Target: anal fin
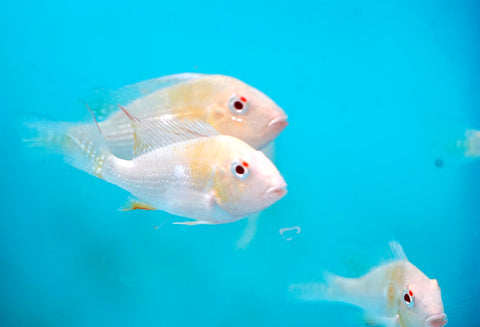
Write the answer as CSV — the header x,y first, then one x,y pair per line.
x,y
192,223
134,204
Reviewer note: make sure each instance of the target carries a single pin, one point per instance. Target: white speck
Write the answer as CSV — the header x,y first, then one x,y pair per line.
x,y
289,233
179,171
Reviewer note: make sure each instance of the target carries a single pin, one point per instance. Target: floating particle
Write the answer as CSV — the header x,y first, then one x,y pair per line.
x,y
289,233
439,163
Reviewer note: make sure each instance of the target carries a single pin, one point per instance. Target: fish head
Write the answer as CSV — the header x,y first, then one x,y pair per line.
x,y
246,181
420,304
244,112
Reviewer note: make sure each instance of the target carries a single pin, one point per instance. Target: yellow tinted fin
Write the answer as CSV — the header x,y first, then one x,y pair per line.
x,y
134,204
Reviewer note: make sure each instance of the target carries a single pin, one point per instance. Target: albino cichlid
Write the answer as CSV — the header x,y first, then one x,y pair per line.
x,y
471,144
394,294
226,103
182,167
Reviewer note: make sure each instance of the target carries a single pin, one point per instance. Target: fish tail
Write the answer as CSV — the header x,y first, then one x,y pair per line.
x,y
46,134
82,145
334,288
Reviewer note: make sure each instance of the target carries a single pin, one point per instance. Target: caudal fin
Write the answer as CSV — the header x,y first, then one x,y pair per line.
x,y
82,145
332,289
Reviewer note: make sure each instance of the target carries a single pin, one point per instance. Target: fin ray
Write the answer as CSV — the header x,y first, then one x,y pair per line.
x,y
135,204
156,133
193,223
249,232
397,251
82,145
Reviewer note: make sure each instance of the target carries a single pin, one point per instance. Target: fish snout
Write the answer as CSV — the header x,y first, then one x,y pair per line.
x,y
278,124
276,192
437,320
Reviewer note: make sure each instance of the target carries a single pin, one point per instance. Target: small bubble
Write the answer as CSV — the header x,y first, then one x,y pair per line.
x,y
289,233
439,163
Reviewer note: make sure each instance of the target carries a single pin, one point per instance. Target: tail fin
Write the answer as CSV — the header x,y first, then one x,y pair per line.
x,y
82,145
333,289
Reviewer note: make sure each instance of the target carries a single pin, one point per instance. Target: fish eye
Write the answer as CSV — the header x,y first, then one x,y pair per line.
x,y
238,105
408,298
240,169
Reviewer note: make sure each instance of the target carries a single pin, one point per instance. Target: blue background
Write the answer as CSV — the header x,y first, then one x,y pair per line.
x,y
376,92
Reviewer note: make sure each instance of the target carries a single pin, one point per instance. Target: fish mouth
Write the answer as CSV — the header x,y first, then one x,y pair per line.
x,y
437,320
277,192
278,124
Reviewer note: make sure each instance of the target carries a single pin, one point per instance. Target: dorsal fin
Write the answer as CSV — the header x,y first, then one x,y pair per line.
x,y
104,101
156,133
397,251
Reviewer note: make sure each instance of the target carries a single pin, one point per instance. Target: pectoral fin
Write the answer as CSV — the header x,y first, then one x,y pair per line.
x,y
189,201
249,232
372,320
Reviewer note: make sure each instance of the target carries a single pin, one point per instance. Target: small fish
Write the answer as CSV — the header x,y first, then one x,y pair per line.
x,y
471,144
394,294
182,167
226,103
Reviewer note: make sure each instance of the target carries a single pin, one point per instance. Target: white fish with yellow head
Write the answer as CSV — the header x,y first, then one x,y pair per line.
x,y
182,167
395,294
229,105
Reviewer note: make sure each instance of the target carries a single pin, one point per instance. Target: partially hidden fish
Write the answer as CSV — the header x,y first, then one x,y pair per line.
x,y
471,144
394,294
182,167
229,105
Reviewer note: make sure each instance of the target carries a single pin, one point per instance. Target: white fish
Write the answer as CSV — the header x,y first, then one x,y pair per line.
x,y
226,103
184,168
394,294
471,144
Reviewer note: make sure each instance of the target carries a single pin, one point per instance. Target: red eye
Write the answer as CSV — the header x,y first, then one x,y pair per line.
x,y
238,105
240,170
408,298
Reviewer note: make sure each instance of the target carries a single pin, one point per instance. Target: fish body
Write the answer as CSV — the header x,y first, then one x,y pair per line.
x,y
231,106
183,168
394,294
188,179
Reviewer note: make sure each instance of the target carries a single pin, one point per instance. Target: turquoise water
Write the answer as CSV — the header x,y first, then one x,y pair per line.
x,y
377,92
